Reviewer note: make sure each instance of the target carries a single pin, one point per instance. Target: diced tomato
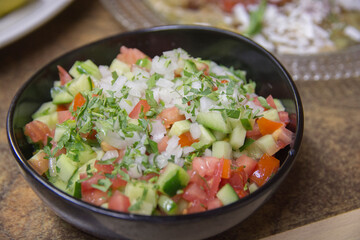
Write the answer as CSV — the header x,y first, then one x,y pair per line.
x,y
226,171
63,75
64,115
283,137
60,151
257,102
224,81
270,101
238,178
214,203
195,207
39,163
130,55
241,193
90,135
162,145
117,182
215,88
186,139
267,166
148,176
254,133
105,168
284,117
94,196
78,101
119,202
267,126
87,184
228,5
171,115
62,107
141,106
247,163
209,168
194,192
37,131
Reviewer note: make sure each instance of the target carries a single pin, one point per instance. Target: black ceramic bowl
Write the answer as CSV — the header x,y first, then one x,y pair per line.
x,y
223,47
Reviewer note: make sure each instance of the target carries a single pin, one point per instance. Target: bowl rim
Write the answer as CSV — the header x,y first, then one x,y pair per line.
x,y
288,162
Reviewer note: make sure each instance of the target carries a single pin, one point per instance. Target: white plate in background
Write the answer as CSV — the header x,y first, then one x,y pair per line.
x,y
27,18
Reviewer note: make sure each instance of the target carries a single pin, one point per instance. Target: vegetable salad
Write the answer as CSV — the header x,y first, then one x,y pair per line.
x,y
163,136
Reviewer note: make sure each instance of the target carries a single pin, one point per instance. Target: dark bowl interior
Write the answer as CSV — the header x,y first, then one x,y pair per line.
x,y
221,46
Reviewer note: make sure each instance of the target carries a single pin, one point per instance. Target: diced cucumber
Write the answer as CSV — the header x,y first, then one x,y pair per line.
x,y
182,204
222,149
271,114
87,67
247,123
62,129
167,205
219,135
234,122
66,168
206,138
144,63
253,187
237,137
279,106
45,109
214,120
60,95
190,66
173,179
179,128
87,154
227,194
89,166
119,66
57,182
143,194
50,120
249,87
267,144
80,84
253,151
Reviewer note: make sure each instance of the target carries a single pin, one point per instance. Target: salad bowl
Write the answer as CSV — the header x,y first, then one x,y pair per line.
x,y
223,47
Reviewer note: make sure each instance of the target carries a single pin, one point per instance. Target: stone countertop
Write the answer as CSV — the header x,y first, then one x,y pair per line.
x,y
324,181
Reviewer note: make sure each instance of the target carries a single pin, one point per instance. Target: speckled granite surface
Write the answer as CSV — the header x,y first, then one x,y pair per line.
x,y
323,182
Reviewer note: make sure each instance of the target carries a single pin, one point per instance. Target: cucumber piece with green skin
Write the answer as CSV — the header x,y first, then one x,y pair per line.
x,y
222,149
50,120
45,109
142,194
190,67
271,114
167,205
87,154
119,66
83,83
214,120
227,194
267,144
173,179
87,67
60,95
66,168
247,123
179,128
206,138
237,137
